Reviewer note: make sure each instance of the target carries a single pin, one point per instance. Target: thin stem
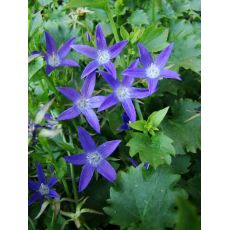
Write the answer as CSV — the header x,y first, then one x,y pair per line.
x,y
66,187
112,23
138,109
31,223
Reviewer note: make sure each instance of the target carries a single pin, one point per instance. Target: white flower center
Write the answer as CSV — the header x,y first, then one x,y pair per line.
x,y
44,189
152,71
53,60
103,56
122,93
83,103
94,158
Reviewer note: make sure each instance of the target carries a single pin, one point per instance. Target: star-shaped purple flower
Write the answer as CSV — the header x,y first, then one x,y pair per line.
x,y
153,70
93,158
55,58
42,189
123,92
83,102
101,55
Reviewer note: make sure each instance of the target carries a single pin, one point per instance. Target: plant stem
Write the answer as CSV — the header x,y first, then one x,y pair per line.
x,y
112,23
138,109
31,223
66,187
153,11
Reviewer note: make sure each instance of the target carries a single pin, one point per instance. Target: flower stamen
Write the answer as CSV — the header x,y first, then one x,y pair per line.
x,y
103,56
44,189
94,158
122,93
53,60
152,71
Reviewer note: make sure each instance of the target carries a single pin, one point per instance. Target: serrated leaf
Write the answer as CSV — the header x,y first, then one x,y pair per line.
x,y
44,2
35,66
35,23
155,38
181,163
144,199
156,150
124,33
138,125
84,3
138,17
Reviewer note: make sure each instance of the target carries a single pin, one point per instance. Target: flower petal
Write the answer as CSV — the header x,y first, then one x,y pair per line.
x,y
88,85
85,177
70,113
52,181
108,148
53,194
145,57
66,47
77,159
70,93
49,69
163,57
106,170
88,51
134,162
32,185
69,62
167,73
96,101
152,85
127,80
100,38
117,48
135,72
50,43
40,174
128,106
89,68
86,140
109,66
92,119
34,197
139,93
110,79
109,101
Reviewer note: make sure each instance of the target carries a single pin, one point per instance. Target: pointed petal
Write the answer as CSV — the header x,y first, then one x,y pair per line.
x,y
117,48
129,109
163,57
77,159
106,170
95,102
134,162
69,62
66,47
33,186
53,194
49,69
88,85
127,80
86,140
52,181
146,165
89,68
135,72
139,93
109,101
40,174
70,113
167,73
123,127
134,64
110,79
100,38
50,43
70,93
108,148
145,56
85,177
34,197
92,119
88,51
109,66
152,85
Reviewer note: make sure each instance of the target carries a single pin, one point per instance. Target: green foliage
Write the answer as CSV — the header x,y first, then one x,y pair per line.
x,y
138,17
144,199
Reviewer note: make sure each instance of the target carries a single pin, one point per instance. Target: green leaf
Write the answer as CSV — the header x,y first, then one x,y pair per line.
x,y
144,199
184,127
138,17
155,38
138,125
124,33
156,150
181,163
61,168
88,3
35,66
156,118
44,2
187,218
35,23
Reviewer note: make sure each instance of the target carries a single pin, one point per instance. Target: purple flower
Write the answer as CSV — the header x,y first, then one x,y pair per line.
x,y
55,58
126,121
153,70
42,189
93,158
135,164
83,102
102,55
123,92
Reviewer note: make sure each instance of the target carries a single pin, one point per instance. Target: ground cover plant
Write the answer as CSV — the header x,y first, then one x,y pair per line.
x,y
114,114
